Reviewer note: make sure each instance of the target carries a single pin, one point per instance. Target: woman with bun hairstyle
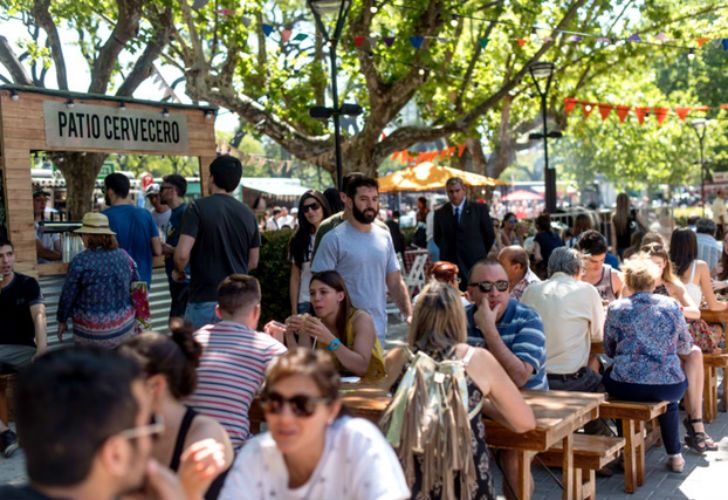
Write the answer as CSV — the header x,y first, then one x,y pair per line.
x,y
194,446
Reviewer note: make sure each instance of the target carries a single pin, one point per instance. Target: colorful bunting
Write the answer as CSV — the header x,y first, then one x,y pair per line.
x,y
622,112
300,37
484,42
661,37
682,112
587,108
286,35
701,41
267,29
641,113
660,115
724,42
388,40
575,38
634,38
604,110
522,42
569,104
417,41
246,21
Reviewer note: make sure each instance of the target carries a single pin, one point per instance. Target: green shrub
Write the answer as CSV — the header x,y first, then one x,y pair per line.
x,y
274,272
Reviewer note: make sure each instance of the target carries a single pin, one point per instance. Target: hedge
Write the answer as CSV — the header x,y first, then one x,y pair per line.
x,y
274,272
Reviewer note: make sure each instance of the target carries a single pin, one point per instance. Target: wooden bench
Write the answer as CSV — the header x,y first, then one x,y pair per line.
x,y
6,380
711,363
591,453
633,416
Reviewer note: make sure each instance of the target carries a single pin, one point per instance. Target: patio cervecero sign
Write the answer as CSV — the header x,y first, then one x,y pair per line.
x,y
113,128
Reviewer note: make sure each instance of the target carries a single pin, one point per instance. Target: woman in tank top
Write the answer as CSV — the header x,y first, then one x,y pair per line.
x,y
669,285
194,446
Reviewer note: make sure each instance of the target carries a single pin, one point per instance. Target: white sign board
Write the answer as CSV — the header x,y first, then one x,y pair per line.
x,y
113,128
720,177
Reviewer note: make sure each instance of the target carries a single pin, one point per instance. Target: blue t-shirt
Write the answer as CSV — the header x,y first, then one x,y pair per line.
x,y
134,228
173,233
521,329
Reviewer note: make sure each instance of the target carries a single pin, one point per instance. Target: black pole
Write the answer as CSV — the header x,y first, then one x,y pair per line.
x,y
337,124
549,175
702,174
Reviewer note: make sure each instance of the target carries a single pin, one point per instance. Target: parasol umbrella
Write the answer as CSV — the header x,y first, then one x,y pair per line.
x,y
522,195
427,176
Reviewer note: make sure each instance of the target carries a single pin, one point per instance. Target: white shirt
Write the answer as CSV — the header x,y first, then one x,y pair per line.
x,y
357,464
572,315
719,209
430,225
459,209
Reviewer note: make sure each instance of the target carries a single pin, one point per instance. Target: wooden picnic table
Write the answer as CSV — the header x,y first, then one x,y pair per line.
x,y
558,414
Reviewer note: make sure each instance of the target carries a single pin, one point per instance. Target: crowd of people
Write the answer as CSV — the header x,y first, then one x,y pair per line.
x,y
121,412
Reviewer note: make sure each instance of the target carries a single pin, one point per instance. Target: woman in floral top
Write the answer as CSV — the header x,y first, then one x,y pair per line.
x,y
96,293
645,334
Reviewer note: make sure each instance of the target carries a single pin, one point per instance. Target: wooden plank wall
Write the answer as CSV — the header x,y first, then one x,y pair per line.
x,y
22,130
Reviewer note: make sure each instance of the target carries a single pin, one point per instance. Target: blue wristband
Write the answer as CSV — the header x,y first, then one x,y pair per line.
x,y
333,345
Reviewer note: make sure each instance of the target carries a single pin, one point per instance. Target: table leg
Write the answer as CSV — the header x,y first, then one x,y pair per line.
x,y
629,455
523,488
708,393
724,402
567,468
640,429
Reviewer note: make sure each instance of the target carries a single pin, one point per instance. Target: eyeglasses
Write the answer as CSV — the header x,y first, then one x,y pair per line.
x,y
487,286
652,248
154,429
302,405
310,206
511,221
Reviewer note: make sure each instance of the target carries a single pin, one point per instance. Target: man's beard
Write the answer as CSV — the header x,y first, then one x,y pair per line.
x,y
364,217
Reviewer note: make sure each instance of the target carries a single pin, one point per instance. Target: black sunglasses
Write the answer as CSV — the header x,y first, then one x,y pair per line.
x,y
310,206
487,286
302,405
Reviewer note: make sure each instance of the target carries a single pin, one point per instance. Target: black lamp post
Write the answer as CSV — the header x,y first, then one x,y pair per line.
x,y
341,8
542,72
699,125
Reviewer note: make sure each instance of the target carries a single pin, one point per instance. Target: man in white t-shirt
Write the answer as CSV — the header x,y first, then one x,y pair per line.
x,y
160,211
363,254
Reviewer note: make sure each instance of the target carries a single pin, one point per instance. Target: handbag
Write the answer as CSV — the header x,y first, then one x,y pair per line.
x,y
139,294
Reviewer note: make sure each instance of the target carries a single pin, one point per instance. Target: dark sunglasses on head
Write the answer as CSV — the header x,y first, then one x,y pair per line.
x,y
487,286
302,405
310,206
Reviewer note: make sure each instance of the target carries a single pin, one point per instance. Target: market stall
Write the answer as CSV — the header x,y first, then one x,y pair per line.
x,y
428,176
33,119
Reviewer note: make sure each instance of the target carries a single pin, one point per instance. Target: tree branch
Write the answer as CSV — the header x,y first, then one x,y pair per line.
x,y
43,18
145,63
127,26
12,64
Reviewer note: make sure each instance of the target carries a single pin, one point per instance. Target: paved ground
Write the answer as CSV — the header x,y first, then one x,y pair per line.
x,y
705,477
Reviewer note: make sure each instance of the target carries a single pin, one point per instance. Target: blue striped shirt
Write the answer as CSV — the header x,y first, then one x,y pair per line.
x,y
521,329
232,368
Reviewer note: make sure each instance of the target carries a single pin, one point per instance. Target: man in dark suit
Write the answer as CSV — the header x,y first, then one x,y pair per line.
x,y
463,230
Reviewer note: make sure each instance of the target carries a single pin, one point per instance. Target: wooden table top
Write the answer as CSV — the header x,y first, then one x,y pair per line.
x,y
714,316
557,413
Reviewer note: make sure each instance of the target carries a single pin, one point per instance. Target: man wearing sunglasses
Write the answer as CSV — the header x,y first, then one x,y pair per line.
x,y
85,421
511,331
463,230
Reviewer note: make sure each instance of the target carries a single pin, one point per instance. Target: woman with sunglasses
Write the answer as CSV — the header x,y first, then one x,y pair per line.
x,y
310,452
194,446
667,284
508,234
439,329
312,210
346,332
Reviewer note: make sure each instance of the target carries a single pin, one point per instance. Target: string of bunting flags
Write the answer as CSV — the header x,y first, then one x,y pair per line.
x,y
536,34
641,112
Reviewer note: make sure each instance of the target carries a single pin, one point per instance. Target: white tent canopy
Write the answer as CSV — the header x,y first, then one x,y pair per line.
x,y
275,186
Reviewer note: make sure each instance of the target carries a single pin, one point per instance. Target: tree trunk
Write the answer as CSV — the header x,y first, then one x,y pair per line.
x,y
80,172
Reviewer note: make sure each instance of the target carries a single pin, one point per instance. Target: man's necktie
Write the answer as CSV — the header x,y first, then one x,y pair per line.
x,y
457,215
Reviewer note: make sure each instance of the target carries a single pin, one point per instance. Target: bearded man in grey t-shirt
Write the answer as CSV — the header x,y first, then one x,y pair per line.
x,y
363,254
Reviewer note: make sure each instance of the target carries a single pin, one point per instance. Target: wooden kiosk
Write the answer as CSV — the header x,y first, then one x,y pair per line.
x,y
33,119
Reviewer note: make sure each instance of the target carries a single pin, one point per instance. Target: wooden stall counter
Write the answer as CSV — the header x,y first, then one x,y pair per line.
x,y
61,268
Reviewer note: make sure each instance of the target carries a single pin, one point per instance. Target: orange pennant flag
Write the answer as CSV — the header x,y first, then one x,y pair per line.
x,y
587,108
701,108
682,113
461,150
569,104
701,41
660,114
641,113
724,106
522,42
604,110
622,112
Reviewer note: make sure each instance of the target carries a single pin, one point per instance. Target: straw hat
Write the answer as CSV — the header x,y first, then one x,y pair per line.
x,y
94,223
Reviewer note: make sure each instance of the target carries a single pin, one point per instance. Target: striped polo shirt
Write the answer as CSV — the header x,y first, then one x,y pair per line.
x,y
521,329
232,368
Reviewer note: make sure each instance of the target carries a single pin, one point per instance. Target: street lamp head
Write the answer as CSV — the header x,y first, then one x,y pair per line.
x,y
541,73
699,123
350,109
322,7
321,112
